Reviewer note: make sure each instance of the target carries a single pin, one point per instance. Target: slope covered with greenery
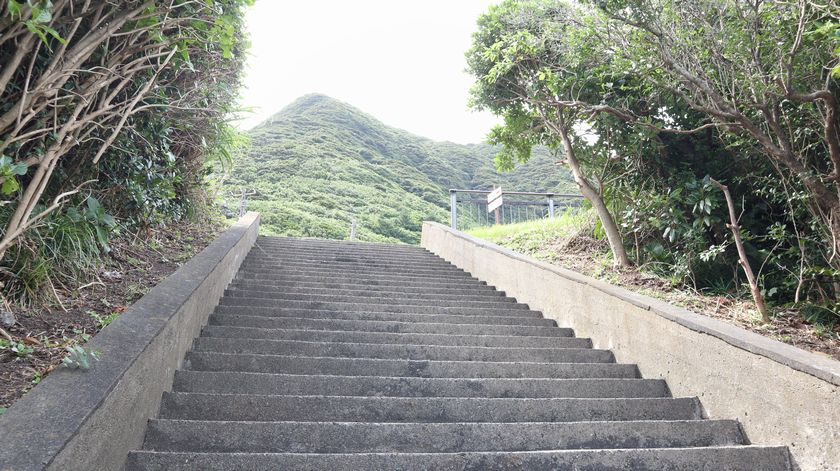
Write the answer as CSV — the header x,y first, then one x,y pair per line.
x,y
319,163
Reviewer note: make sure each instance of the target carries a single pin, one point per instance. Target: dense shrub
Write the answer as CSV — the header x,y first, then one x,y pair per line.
x,y
114,102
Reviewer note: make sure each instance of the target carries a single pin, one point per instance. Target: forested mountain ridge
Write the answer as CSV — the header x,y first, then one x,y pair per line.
x,y
319,163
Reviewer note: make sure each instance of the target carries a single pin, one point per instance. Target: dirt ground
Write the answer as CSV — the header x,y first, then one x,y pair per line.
x,y
36,344
586,255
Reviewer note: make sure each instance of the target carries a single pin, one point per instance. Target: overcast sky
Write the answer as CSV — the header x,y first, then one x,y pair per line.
x,y
403,62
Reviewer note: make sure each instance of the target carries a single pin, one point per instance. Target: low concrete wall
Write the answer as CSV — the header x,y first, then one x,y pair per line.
x,y
89,420
781,394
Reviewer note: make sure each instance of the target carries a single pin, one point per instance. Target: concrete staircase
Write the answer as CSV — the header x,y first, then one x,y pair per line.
x,y
329,355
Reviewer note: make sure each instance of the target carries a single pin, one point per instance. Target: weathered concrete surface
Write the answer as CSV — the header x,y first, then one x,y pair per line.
x,y
386,326
443,339
89,420
401,351
668,459
783,395
273,408
237,382
286,364
459,437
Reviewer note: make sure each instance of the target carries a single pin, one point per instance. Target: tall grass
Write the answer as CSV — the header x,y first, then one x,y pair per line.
x,y
566,224
59,250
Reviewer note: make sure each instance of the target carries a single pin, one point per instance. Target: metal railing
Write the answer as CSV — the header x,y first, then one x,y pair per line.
x,y
518,206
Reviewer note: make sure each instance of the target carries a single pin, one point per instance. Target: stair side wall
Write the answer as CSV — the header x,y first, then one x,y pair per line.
x,y
782,395
90,420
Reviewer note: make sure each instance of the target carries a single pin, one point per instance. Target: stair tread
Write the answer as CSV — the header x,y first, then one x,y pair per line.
x,y
213,361
417,352
740,458
390,386
332,437
395,338
269,311
501,303
267,407
363,325
510,310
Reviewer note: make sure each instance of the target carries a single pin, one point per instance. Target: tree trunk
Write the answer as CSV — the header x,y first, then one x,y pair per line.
x,y
742,254
620,258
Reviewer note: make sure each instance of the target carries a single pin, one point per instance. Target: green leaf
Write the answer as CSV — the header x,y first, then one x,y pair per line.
x,y
41,15
54,34
102,236
33,28
19,169
9,186
93,204
14,8
109,220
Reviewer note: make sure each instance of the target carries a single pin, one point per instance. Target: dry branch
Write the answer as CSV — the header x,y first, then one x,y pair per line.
x,y
742,254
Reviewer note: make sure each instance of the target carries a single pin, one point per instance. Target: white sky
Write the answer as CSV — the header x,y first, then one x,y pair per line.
x,y
400,61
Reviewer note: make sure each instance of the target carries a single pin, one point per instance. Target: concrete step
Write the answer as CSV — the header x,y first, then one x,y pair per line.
x,y
491,319
490,303
482,294
399,338
374,297
385,326
389,267
391,282
472,289
230,382
345,261
268,408
501,309
340,246
305,262
409,269
283,364
381,252
408,352
236,290
359,274
453,274
321,259
741,458
460,437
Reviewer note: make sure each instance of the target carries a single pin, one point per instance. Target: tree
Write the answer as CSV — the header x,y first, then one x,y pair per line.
x,y
764,70
531,69
78,75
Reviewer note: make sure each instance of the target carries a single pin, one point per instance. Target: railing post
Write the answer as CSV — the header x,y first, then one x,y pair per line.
x,y
551,206
453,209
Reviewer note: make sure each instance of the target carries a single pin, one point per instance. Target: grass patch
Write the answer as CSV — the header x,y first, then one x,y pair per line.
x,y
571,241
566,224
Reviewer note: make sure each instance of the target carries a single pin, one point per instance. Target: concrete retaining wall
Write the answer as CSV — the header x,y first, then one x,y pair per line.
x,y
781,394
89,420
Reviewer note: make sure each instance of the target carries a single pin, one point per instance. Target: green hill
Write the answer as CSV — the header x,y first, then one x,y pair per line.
x,y
319,163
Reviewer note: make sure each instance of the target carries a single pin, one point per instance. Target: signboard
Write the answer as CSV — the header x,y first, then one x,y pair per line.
x,y
494,205
494,200
496,193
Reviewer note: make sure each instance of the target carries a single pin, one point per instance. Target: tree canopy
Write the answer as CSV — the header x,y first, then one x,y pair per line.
x,y
121,100
656,100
